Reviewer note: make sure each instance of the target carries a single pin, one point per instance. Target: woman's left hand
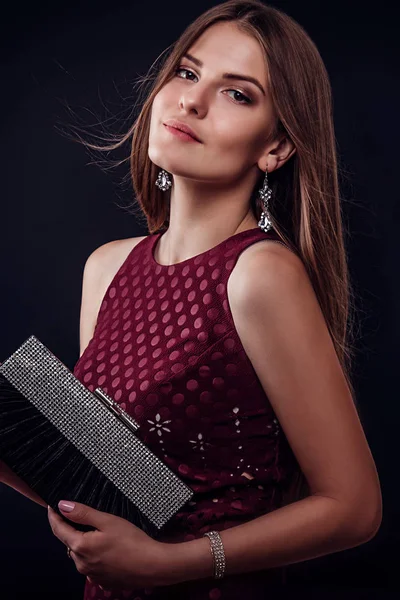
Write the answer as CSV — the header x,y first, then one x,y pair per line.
x,y
117,555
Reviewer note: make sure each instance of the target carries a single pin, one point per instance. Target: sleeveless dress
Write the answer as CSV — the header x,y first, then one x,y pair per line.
x,y
166,349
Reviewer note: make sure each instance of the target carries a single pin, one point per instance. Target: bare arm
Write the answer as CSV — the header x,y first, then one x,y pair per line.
x,y
309,528
285,336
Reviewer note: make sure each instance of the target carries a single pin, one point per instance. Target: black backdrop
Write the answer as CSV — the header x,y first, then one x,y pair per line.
x,y
56,209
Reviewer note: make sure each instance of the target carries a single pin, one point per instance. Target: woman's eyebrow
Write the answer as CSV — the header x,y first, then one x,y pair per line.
x,y
198,62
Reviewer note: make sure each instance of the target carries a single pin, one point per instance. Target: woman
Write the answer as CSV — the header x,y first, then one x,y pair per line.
x,y
230,351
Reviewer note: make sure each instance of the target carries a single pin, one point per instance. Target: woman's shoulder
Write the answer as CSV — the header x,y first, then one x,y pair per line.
x,y
104,262
266,257
119,250
109,257
100,267
264,269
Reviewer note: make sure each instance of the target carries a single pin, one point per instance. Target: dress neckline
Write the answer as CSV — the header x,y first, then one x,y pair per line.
x,y
157,237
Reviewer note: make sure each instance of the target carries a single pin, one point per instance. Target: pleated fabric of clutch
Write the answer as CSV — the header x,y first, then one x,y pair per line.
x,y
66,442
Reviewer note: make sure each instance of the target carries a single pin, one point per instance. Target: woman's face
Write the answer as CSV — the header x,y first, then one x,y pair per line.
x,y
231,116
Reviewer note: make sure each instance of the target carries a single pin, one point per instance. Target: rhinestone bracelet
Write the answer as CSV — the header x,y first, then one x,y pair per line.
x,y
217,551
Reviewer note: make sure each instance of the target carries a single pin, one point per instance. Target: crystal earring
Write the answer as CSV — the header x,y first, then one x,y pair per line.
x,y
163,180
265,193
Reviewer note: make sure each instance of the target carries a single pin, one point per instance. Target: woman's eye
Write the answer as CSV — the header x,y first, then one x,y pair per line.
x,y
186,71
242,100
243,97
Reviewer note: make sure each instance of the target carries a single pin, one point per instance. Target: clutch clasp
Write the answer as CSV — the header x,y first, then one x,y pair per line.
x,y
116,409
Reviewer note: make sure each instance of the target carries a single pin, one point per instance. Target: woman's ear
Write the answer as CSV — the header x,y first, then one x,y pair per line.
x,y
278,155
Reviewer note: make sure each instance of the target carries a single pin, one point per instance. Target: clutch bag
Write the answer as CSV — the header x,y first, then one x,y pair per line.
x,y
68,443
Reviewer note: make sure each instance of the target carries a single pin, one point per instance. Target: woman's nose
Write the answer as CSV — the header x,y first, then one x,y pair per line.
x,y
194,100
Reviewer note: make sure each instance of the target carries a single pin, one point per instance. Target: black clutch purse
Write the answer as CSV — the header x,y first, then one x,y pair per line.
x,y
68,443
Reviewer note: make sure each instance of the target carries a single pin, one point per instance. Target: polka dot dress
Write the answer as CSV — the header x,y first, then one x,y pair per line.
x,y
166,349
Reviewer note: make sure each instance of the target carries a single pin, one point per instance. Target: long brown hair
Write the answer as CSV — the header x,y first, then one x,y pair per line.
x,y
306,204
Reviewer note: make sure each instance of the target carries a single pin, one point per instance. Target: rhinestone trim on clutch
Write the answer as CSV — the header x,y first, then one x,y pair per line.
x,y
217,550
99,428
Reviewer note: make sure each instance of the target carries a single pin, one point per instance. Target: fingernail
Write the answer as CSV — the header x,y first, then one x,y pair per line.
x,y
66,506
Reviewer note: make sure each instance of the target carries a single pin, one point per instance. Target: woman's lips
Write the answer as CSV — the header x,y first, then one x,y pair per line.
x,y
181,134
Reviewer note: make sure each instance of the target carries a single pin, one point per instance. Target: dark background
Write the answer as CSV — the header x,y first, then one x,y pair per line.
x,y
60,61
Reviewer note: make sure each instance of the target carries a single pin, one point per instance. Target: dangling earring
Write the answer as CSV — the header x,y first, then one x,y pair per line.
x,y
163,181
265,194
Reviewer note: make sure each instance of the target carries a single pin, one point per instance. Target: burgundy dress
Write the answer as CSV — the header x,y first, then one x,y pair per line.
x,y
166,349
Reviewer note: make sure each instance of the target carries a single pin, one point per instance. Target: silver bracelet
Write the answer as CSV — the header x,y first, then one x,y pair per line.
x,y
217,551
